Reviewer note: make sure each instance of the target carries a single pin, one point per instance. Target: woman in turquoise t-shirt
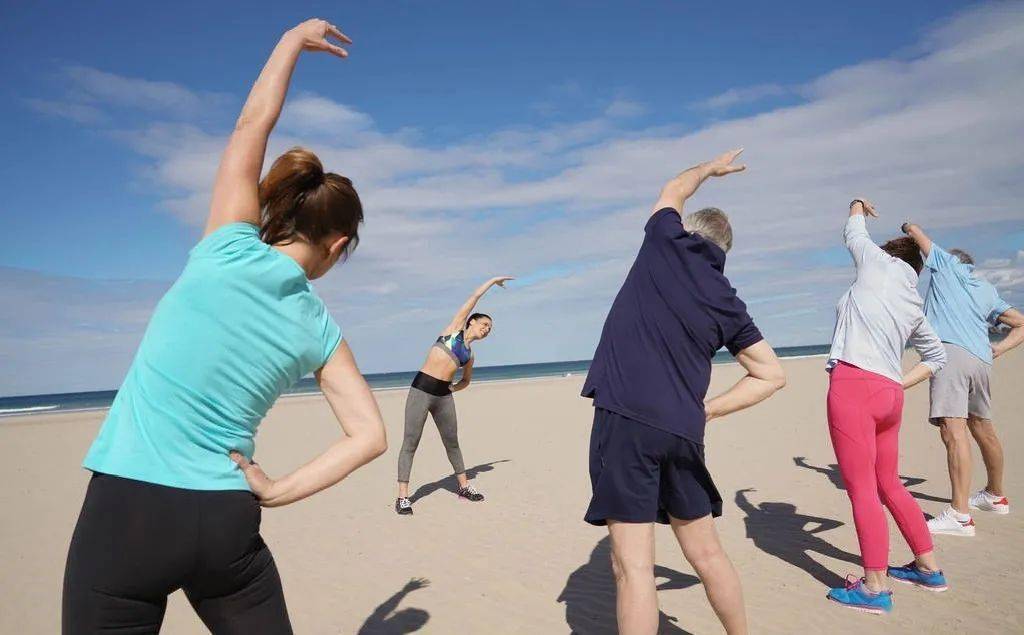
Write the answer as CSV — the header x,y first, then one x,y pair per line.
x,y
174,502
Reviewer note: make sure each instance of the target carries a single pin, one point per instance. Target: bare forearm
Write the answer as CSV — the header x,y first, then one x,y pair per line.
x,y
924,243
916,375
1012,340
747,392
266,99
682,187
340,460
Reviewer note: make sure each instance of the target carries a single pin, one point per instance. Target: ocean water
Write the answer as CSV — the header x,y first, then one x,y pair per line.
x,y
62,402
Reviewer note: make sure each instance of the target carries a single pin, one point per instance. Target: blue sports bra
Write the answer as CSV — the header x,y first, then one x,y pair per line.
x,y
455,345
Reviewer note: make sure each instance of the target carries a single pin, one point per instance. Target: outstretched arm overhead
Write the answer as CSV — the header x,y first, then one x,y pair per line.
x,y
855,233
682,187
364,437
914,231
764,377
236,189
1015,319
459,319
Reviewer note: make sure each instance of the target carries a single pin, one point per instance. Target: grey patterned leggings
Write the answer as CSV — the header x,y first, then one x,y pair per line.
x,y
442,409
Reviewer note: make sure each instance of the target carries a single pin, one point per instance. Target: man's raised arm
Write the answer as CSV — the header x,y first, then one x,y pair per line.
x,y
680,188
923,242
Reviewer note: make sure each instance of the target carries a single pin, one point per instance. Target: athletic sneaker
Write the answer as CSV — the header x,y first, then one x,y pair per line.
x,y
989,502
858,597
403,506
469,493
912,574
948,523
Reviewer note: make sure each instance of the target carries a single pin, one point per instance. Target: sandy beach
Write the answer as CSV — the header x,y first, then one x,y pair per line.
x,y
524,561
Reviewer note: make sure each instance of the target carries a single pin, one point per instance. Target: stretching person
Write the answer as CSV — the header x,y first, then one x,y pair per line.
x,y
961,306
875,319
167,507
648,381
432,390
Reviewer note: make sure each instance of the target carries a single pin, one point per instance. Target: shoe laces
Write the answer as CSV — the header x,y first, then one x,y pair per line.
x,y
469,489
852,582
404,503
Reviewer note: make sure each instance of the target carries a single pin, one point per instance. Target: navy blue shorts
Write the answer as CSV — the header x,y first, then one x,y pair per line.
x,y
642,474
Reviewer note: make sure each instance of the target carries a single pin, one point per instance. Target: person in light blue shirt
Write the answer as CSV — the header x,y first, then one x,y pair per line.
x,y
174,500
961,306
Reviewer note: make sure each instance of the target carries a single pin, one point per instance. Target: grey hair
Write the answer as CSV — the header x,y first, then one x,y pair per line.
x,y
711,223
962,255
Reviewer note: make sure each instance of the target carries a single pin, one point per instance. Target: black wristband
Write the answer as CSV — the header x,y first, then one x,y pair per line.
x,y
905,227
857,200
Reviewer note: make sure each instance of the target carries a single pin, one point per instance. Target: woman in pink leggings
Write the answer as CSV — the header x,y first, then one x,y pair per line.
x,y
879,314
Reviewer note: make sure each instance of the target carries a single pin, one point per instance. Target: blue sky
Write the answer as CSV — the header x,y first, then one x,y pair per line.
x,y
489,140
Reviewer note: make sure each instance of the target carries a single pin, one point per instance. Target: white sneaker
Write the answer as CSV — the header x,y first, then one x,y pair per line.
x,y
947,523
986,502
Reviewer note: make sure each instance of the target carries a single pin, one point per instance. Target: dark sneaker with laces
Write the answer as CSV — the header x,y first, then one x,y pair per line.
x,y
403,506
469,493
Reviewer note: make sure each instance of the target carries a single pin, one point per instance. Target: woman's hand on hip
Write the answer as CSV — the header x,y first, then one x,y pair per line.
x,y
260,484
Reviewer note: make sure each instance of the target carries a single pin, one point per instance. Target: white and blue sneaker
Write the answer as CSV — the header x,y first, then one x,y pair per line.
x,y
912,574
983,501
858,597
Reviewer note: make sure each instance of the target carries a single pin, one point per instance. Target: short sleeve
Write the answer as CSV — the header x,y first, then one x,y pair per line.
x,y
999,306
227,239
666,222
939,259
737,328
330,336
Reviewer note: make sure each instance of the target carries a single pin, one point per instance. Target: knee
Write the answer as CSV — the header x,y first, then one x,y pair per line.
x,y
705,556
953,433
627,570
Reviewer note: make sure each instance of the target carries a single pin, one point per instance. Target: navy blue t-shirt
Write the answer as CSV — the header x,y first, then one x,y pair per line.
x,y
673,312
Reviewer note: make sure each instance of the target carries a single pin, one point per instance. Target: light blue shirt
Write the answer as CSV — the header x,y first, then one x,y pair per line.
x,y
241,324
961,306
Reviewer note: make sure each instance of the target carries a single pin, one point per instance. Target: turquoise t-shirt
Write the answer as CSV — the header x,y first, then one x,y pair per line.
x,y
959,305
241,324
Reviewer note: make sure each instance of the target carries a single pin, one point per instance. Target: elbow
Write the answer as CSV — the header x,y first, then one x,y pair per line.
x,y
777,378
378,446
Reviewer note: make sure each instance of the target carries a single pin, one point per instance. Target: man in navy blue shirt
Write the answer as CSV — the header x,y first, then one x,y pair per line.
x,y
648,382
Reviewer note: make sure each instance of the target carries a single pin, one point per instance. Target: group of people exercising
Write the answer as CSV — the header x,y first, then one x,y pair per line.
x,y
175,498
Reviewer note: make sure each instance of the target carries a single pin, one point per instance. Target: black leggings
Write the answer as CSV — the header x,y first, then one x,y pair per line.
x,y
136,543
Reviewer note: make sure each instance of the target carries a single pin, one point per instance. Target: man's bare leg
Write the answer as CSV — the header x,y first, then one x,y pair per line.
x,y
958,458
701,547
636,599
991,452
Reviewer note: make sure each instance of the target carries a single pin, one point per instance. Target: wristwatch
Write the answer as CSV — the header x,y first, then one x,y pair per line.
x,y
857,200
905,227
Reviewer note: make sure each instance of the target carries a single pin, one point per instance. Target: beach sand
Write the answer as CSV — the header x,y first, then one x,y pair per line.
x,y
524,561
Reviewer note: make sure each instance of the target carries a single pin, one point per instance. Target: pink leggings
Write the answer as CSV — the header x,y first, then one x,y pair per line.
x,y
864,413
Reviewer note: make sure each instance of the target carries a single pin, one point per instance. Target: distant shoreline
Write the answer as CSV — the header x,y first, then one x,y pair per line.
x,y
29,405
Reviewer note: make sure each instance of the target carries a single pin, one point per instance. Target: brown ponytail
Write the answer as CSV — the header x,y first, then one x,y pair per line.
x,y
298,200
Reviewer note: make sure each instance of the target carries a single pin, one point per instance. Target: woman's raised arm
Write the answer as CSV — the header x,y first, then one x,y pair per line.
x,y
459,319
236,189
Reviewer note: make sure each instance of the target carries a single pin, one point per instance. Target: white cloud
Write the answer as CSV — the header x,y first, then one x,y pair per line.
x,y
736,96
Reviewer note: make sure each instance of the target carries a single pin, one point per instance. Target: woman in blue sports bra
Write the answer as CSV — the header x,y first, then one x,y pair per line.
x,y
432,390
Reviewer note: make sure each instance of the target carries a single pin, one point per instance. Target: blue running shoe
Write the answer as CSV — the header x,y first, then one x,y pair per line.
x,y
856,596
910,574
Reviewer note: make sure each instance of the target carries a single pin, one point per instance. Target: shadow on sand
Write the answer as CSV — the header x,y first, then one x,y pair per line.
x,y
385,620
832,473
450,483
778,530
589,595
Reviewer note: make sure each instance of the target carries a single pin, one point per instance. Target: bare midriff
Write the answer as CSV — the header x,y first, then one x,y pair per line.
x,y
439,365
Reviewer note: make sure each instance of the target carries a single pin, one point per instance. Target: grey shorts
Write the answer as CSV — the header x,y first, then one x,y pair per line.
x,y
961,388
